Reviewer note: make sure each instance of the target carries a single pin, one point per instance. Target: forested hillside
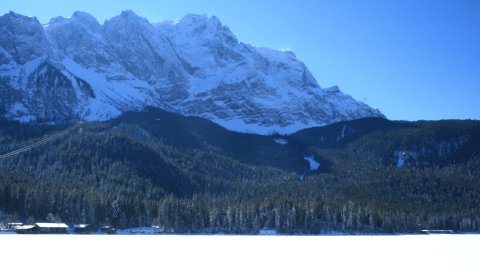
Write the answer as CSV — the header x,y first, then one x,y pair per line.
x,y
188,175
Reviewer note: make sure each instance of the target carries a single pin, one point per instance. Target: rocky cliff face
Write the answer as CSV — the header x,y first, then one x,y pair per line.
x,y
77,68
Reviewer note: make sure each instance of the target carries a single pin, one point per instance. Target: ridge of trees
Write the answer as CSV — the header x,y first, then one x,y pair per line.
x,y
188,175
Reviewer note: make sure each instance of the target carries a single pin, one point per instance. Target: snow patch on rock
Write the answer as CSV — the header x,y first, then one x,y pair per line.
x,y
280,141
404,156
20,113
314,165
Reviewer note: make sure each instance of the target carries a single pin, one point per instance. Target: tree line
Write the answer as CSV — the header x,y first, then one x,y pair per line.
x,y
126,175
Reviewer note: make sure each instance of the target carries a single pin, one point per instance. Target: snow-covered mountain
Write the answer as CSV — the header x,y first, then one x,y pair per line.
x,y
77,68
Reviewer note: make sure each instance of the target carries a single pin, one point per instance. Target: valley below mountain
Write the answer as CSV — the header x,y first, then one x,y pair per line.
x,y
190,175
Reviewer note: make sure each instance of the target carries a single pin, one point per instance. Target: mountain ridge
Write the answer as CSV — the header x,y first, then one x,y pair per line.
x,y
192,66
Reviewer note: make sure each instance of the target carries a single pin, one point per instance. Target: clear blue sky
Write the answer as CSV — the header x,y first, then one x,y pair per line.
x,y
412,59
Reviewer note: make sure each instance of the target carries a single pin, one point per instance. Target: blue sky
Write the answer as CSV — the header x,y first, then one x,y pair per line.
x,y
412,59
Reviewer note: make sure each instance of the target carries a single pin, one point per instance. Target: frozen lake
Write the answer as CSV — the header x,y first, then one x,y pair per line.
x,y
239,252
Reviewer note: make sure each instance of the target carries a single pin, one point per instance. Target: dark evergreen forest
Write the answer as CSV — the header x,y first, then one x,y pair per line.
x,y
188,175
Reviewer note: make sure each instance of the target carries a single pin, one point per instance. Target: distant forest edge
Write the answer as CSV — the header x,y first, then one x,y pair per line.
x,y
189,175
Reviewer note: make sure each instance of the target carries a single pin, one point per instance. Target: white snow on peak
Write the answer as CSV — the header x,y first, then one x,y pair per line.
x,y
78,17
197,30
197,24
128,22
20,19
191,19
85,18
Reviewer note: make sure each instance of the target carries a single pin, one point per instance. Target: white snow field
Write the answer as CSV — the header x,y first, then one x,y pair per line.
x,y
239,252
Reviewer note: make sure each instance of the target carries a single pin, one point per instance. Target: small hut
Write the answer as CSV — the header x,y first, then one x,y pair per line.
x,y
51,227
83,228
108,229
12,225
437,232
25,229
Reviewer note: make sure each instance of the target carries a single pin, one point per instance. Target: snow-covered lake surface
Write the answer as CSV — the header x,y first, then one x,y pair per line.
x,y
238,252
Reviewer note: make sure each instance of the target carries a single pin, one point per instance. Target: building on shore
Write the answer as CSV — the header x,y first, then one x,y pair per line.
x,y
25,229
43,228
108,229
83,228
437,232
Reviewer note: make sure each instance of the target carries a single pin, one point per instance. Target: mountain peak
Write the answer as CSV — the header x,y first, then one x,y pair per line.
x,y
125,20
12,14
56,20
22,37
80,18
203,27
83,16
19,18
129,14
197,19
